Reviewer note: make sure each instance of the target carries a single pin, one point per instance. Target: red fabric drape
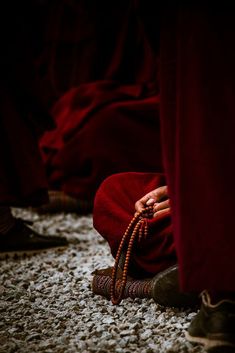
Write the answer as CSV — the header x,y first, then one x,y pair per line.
x,y
89,41
101,77
113,210
197,115
103,128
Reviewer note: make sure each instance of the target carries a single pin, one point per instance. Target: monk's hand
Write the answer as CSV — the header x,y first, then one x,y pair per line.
x,y
157,198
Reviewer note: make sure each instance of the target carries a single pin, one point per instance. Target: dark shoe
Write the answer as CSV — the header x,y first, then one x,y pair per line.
x,y
214,325
59,201
163,288
21,239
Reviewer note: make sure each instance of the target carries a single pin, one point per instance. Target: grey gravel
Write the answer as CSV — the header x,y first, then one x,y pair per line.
x,y
46,304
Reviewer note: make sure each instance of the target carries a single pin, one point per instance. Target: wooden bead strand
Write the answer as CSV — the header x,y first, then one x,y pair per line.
x,y
138,227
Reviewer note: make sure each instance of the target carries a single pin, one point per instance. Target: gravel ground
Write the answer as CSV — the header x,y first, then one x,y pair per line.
x,y
46,304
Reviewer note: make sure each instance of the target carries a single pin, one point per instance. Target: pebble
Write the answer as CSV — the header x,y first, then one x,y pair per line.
x,y
2,289
34,336
47,306
108,320
127,332
146,334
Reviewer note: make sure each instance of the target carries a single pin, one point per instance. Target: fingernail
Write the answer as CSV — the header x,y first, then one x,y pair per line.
x,y
150,202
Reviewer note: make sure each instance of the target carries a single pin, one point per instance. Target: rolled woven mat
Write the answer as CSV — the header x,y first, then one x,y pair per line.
x,y
163,287
102,280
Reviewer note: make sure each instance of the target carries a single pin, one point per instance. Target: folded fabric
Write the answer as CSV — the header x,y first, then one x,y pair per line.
x,y
113,210
99,129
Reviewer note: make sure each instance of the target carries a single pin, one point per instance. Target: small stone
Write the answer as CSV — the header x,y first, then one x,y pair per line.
x,y
127,333
108,320
12,330
146,334
2,289
33,336
51,292
123,342
111,343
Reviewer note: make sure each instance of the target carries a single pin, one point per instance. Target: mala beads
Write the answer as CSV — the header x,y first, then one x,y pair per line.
x,y
138,227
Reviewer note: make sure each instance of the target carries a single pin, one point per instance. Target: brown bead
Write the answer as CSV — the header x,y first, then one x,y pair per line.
x,y
137,227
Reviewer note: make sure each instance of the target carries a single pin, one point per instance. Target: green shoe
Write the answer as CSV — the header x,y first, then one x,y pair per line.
x,y
214,325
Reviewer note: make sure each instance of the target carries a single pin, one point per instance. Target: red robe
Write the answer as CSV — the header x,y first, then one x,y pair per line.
x,y
197,119
198,124
113,210
100,74
102,128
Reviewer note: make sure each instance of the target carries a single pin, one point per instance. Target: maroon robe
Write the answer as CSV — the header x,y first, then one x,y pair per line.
x,y
198,121
102,128
100,74
88,41
113,210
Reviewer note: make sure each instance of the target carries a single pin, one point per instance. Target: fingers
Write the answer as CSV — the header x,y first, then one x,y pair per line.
x,y
140,204
161,208
161,205
161,193
161,212
152,197
156,195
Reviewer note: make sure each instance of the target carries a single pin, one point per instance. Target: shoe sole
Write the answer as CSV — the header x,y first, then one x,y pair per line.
x,y
211,344
165,290
26,253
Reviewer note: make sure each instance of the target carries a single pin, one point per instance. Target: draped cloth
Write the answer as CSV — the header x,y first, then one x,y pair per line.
x,y
88,41
114,208
197,86
102,128
197,117
91,64
100,74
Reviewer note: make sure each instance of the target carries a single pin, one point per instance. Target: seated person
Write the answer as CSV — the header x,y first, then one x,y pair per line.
x,y
104,98
119,197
